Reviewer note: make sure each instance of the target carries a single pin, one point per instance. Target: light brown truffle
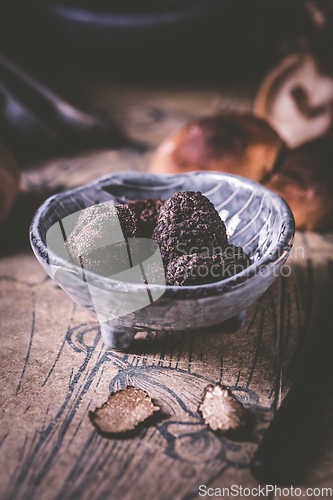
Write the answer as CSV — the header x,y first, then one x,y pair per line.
x,y
230,142
123,411
9,181
220,409
89,244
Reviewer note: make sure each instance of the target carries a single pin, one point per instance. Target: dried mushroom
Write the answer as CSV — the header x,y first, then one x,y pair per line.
x,y
304,179
220,409
296,99
123,411
238,143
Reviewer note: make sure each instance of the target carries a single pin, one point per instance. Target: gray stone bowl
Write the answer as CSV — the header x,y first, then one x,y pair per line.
x,y
256,219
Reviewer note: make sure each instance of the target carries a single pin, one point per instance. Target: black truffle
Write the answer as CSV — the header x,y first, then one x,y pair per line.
x,y
147,212
98,240
200,269
187,223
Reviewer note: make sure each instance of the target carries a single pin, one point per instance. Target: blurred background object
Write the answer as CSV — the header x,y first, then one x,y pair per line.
x,y
304,178
35,120
237,143
296,99
48,47
167,40
9,181
162,41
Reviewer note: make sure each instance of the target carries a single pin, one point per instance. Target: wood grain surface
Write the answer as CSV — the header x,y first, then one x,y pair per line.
x,y
55,367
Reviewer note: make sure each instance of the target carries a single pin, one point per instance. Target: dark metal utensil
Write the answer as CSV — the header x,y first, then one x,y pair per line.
x,y
36,119
58,109
19,119
298,413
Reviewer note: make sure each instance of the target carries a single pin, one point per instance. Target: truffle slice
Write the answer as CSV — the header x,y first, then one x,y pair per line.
x,y
230,142
304,178
199,269
123,411
98,240
188,222
146,211
220,409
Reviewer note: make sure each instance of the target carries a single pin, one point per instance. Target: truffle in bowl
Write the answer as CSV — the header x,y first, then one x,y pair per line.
x,y
133,300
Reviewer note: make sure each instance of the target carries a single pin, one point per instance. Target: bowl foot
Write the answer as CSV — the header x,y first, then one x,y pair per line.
x,y
233,324
230,325
117,336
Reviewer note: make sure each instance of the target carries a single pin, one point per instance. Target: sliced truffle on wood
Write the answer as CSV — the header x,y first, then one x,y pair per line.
x,y
123,411
304,178
98,240
198,269
188,222
230,142
146,211
220,409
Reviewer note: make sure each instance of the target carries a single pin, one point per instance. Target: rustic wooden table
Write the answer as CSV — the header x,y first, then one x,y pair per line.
x,y
55,367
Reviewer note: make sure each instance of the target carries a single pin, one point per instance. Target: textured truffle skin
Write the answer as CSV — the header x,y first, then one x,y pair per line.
x,y
147,212
198,269
188,222
89,242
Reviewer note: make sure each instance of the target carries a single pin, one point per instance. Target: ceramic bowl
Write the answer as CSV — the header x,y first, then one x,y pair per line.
x,y
257,220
